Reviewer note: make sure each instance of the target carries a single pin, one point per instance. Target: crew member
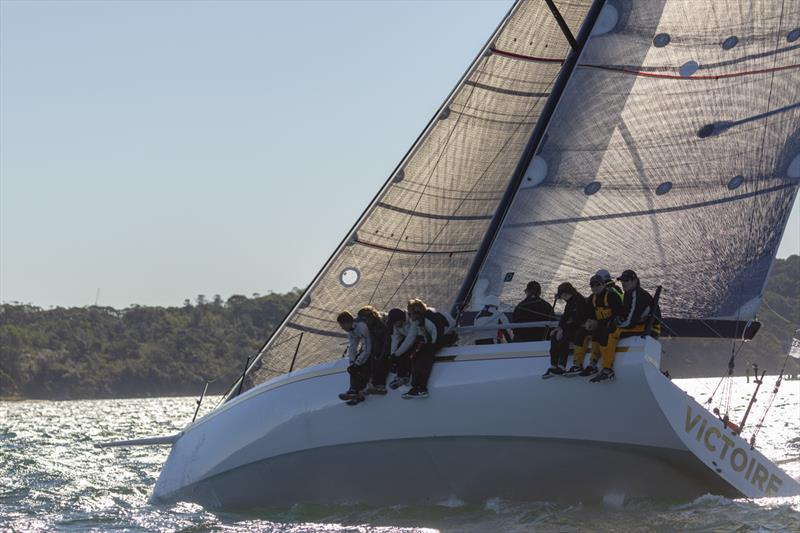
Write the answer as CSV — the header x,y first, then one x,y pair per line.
x,y
608,311
359,348
570,331
434,330
403,337
605,275
378,359
532,309
639,307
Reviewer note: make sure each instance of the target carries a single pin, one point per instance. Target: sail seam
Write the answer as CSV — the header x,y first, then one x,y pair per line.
x,y
501,90
659,211
647,74
524,57
432,215
414,252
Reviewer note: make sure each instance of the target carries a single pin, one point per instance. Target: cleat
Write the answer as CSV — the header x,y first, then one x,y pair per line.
x,y
588,371
415,393
606,375
398,382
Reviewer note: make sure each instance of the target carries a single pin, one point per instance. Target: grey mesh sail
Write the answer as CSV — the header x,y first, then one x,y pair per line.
x,y
674,151
420,235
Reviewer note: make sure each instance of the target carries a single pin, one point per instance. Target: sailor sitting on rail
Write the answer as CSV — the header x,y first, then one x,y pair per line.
x,y
404,333
639,307
359,348
608,311
434,331
491,315
378,360
570,331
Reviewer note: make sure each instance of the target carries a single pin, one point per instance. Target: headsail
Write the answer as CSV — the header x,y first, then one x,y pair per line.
x,y
420,235
674,151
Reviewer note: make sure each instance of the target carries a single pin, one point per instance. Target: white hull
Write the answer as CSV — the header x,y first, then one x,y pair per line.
x,y
491,428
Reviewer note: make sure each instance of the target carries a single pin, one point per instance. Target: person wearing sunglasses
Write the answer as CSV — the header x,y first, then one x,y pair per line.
x,y
608,312
639,307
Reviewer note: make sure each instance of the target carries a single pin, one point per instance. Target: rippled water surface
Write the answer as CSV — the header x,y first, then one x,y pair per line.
x,y
52,478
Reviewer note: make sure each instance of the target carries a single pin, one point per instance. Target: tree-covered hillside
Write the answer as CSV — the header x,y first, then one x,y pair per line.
x,y
96,352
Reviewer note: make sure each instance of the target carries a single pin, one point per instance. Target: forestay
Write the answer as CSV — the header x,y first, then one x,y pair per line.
x,y
674,151
420,235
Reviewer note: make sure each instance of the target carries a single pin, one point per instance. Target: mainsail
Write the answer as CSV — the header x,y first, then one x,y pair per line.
x,y
420,235
672,147
674,151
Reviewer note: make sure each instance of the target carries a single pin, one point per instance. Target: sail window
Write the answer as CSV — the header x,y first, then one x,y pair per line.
x,y
689,68
536,173
400,176
606,20
664,188
735,182
661,40
794,168
444,114
592,188
305,302
730,42
793,35
349,276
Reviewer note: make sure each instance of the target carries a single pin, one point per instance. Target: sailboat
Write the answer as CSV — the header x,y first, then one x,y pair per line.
x,y
661,136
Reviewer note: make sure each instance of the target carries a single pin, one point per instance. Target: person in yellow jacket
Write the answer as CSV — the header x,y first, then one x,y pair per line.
x,y
608,311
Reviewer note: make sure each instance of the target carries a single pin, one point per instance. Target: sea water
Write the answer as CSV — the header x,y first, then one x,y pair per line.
x,y
52,478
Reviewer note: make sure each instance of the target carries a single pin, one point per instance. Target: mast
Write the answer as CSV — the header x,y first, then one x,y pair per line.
x,y
539,130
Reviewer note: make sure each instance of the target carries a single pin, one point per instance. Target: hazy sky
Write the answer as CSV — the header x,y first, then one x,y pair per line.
x,y
160,150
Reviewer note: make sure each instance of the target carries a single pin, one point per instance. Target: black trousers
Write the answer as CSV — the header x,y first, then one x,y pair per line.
x,y
422,365
403,365
380,369
359,376
559,349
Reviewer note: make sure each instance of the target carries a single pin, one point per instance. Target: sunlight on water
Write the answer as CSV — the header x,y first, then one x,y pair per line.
x,y
51,477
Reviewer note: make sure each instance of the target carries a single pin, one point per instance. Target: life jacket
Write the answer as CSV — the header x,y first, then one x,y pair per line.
x,y
602,311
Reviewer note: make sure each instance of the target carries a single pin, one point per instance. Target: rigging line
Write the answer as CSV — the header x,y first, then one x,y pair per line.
x,y
764,301
419,199
508,140
646,74
750,234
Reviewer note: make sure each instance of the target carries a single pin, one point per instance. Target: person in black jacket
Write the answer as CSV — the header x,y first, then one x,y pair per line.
x,y
532,309
571,330
379,357
639,307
